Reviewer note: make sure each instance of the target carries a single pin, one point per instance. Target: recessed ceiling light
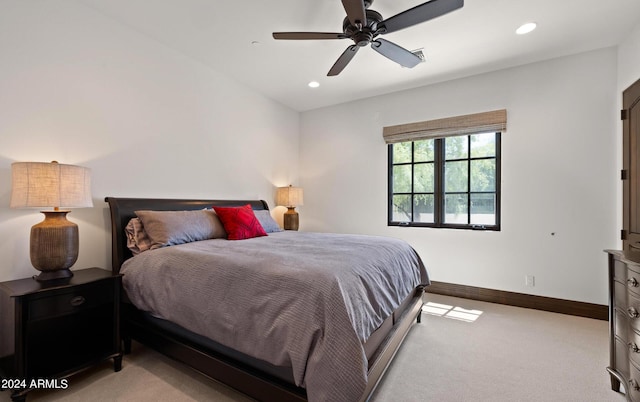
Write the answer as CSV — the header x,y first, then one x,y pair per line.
x,y
526,28
314,84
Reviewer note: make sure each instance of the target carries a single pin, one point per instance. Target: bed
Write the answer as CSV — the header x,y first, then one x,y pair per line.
x,y
318,341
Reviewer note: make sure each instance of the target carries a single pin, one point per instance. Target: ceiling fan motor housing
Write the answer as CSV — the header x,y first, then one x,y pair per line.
x,y
363,35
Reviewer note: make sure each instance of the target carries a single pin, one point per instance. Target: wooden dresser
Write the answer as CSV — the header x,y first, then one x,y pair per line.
x,y
624,324
624,266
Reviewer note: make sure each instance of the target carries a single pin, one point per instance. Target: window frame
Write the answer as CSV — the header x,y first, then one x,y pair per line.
x,y
439,185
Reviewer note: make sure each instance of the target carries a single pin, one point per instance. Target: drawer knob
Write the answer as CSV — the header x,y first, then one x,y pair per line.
x,y
634,385
633,313
633,282
77,301
633,347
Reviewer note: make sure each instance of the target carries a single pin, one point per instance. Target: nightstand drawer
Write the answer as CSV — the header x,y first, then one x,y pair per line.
x,y
74,300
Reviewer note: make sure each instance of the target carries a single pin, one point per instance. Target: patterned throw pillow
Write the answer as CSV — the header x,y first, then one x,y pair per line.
x,y
240,222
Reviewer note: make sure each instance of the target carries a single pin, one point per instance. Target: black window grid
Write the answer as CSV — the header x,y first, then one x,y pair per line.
x,y
439,190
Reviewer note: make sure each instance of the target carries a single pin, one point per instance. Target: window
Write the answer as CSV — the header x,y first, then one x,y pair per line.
x,y
448,181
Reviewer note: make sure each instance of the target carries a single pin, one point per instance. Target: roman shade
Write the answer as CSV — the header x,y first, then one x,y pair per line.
x,y
493,121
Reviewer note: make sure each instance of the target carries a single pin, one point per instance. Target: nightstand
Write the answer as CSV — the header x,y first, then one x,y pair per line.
x,y
52,330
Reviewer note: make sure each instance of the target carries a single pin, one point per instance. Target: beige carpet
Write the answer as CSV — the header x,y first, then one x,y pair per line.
x,y
477,352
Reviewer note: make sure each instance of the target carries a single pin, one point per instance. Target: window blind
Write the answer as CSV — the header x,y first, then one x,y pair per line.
x,y
492,121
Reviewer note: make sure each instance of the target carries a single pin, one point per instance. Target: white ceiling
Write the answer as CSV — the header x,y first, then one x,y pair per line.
x,y
478,38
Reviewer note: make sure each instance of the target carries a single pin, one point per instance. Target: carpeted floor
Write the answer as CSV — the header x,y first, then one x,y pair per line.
x,y
462,351
507,354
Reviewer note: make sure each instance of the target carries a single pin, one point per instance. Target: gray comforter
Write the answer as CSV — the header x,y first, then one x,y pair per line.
x,y
302,300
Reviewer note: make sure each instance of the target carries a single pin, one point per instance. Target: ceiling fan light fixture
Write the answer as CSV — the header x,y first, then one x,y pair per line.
x,y
526,28
313,84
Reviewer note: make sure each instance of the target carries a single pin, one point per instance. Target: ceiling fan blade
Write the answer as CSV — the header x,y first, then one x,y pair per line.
x,y
355,11
308,35
419,14
343,60
396,53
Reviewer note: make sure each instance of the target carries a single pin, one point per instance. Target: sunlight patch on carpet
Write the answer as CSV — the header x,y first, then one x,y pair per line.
x,y
456,313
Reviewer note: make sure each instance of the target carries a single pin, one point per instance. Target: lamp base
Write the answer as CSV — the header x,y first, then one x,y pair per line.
x,y
291,219
53,275
54,246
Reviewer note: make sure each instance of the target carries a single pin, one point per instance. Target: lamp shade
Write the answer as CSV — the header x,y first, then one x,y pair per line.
x,y
289,196
41,184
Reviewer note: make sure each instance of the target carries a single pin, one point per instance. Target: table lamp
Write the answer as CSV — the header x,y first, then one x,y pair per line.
x,y
290,197
54,242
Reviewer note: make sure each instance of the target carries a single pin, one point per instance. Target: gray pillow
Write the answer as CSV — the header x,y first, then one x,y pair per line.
x,y
268,224
167,228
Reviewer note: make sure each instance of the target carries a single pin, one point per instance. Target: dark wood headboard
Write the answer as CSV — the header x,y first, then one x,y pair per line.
x,y
123,209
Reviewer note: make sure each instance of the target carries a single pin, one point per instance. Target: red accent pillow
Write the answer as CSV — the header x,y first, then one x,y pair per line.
x,y
240,222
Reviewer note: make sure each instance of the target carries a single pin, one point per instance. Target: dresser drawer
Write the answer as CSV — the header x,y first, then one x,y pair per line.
x,y
633,311
620,295
633,386
634,347
633,281
619,271
71,301
621,364
621,325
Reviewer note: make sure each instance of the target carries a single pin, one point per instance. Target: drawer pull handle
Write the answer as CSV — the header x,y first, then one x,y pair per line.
x,y
77,301
633,347
633,282
634,385
633,313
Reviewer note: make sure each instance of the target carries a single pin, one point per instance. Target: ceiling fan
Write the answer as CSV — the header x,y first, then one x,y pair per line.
x,y
363,26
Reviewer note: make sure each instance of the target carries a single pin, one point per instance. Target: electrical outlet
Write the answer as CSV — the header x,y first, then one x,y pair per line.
x,y
530,281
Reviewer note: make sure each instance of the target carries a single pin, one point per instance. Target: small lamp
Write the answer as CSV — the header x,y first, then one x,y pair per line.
x,y
54,241
290,197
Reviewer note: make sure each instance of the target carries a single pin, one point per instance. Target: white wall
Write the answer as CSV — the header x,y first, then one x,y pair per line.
x,y
81,89
559,175
629,60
